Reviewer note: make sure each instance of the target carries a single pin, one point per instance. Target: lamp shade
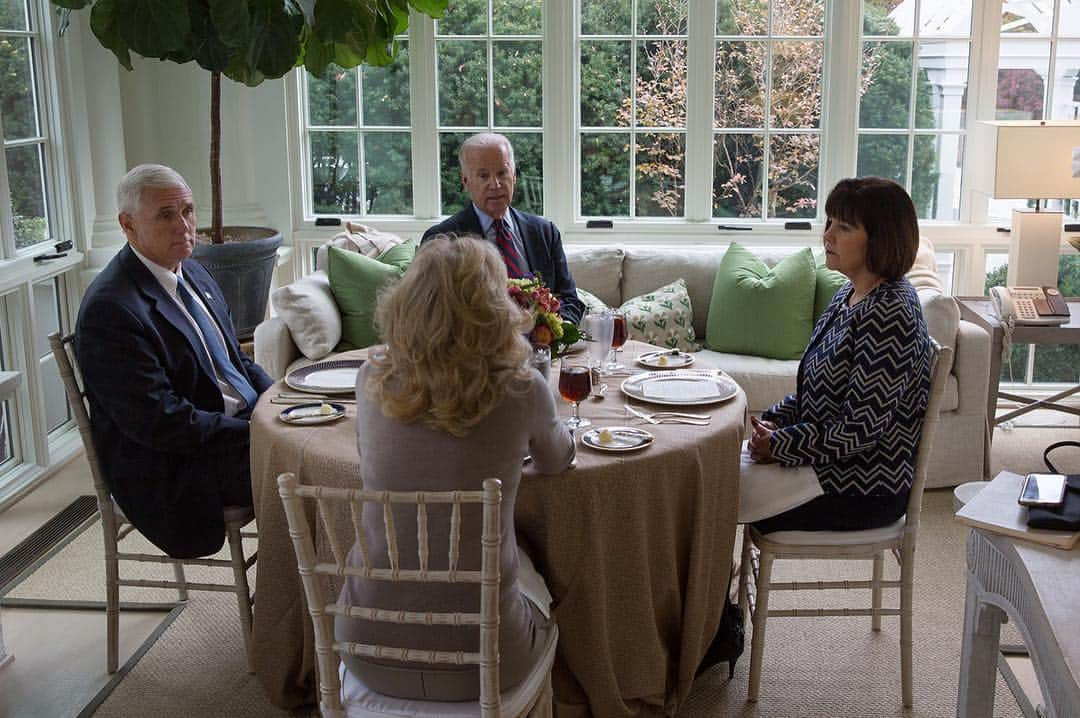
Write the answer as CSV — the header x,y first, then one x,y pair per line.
x,y
1034,159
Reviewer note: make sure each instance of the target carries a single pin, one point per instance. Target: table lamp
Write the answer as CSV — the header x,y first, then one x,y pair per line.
x,y
1036,160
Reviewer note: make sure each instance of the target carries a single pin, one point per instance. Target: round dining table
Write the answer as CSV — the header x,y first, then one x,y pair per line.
x,y
636,548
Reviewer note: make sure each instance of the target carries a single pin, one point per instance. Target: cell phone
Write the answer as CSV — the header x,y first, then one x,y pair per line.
x,y
1042,490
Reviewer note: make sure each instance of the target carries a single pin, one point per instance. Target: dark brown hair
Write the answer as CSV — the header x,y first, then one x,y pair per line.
x,y
885,211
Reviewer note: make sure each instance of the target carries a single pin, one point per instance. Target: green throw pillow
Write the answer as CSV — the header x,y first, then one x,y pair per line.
x,y
761,311
827,284
662,317
355,280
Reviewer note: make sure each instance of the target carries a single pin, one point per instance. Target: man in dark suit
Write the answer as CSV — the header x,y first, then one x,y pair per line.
x,y
170,391
528,243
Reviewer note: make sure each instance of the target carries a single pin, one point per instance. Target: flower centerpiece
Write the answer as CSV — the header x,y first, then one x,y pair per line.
x,y
549,329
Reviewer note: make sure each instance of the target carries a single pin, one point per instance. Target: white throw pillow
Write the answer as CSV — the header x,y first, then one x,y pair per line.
x,y
308,309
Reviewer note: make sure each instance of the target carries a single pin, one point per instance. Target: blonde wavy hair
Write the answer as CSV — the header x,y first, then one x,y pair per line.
x,y
455,339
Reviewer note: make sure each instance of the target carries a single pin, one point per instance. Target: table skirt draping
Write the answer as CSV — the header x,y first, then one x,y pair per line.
x,y
636,550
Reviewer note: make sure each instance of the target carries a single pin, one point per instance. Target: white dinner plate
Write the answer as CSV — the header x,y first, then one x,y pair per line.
x,y
666,360
616,438
337,376
313,413
680,388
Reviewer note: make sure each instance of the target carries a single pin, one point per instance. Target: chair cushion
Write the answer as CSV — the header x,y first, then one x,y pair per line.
x,y
599,269
355,281
942,315
839,538
308,309
662,317
360,701
761,311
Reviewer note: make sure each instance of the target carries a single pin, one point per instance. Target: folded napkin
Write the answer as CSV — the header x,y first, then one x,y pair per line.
x,y
769,489
690,389
1059,518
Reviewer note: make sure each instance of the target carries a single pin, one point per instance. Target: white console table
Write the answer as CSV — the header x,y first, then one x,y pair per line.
x,y
1038,587
9,380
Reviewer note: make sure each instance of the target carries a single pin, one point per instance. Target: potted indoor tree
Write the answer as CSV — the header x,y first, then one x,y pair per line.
x,y
248,41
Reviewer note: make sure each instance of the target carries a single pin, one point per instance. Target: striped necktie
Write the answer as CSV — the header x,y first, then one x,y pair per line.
x,y
218,355
514,265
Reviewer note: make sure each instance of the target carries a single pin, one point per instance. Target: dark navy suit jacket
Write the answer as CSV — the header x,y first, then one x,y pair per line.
x,y
157,414
543,252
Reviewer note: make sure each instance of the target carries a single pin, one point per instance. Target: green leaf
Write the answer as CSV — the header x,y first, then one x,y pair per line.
x,y
231,21
432,8
153,28
275,46
103,25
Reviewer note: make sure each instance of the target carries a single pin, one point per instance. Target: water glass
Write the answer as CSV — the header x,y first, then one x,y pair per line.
x,y
541,360
599,330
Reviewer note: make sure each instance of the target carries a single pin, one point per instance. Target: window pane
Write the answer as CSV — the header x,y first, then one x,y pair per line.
x,y
660,174
1061,363
1020,17
662,17
605,83
935,176
46,321
516,17
883,156
13,15
661,85
944,17
529,161
742,17
740,84
942,85
334,176
463,94
332,98
26,178
453,194
464,17
1069,25
796,84
386,92
388,172
799,17
738,164
793,175
886,75
1067,83
1021,91
518,76
7,445
605,17
605,175
887,17
17,103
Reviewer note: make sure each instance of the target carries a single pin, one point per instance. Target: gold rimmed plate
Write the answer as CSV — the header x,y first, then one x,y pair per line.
x,y
680,388
616,438
666,359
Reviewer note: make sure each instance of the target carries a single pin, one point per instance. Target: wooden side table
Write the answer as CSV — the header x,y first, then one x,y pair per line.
x,y
978,310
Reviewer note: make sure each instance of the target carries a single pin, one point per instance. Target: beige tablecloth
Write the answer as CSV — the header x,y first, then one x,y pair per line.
x,y
636,549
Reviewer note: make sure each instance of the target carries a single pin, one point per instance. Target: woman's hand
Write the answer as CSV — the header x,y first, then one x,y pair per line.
x,y
760,450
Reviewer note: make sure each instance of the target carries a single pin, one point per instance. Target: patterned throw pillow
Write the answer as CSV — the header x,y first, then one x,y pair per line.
x,y
593,304
662,317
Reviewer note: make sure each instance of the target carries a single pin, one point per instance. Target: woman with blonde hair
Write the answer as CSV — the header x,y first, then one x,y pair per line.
x,y
452,401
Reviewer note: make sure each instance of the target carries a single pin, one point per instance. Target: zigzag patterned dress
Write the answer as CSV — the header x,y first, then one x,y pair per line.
x,y
860,396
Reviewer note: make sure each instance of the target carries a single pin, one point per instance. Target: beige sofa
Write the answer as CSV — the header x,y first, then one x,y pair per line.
x,y
615,274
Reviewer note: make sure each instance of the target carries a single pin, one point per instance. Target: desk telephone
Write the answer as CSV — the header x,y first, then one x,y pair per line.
x,y
1030,305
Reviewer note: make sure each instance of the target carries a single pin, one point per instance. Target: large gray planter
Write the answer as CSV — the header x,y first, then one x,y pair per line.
x,y
243,267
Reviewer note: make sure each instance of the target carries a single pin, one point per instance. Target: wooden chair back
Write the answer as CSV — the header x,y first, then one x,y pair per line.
x,y
327,500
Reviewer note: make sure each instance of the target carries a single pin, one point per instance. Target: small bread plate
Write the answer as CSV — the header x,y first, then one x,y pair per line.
x,y
337,376
680,388
666,359
317,412
616,438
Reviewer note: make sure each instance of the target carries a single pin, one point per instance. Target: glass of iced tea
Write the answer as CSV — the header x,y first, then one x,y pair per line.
x,y
618,338
575,383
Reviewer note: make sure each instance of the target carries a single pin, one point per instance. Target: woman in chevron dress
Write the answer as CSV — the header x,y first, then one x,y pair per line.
x,y
864,380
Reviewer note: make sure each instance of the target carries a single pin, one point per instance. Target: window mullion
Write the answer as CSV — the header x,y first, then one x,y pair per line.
x,y
982,97
560,113
423,99
840,93
701,61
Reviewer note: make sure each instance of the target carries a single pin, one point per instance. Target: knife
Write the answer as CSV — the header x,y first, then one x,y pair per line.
x,y
640,414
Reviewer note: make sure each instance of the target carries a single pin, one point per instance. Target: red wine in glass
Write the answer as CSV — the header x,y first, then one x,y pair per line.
x,y
619,337
574,383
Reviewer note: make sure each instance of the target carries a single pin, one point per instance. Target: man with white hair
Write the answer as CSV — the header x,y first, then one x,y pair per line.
x,y
529,244
170,391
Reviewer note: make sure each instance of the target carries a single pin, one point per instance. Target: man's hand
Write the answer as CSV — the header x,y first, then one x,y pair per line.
x,y
760,450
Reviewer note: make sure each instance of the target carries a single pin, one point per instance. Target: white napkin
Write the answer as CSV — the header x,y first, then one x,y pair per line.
x,y
769,489
688,389
532,585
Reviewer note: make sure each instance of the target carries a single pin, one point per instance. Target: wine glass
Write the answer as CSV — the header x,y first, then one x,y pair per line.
x,y
575,383
599,330
618,338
